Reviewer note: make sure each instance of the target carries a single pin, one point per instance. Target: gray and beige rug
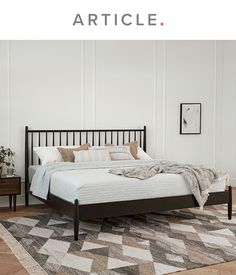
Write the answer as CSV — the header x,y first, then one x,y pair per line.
x,y
142,244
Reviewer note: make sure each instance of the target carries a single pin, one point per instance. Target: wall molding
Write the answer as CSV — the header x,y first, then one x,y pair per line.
x,y
160,98
9,93
5,102
218,103
155,93
215,104
89,84
83,84
164,101
94,84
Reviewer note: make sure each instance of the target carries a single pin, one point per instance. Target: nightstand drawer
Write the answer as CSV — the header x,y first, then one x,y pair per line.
x,y
9,186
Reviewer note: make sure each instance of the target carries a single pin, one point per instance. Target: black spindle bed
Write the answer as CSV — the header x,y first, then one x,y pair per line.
x,y
98,210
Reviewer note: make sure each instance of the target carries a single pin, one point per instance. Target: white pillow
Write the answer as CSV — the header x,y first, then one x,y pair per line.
x,y
143,155
91,155
116,152
49,154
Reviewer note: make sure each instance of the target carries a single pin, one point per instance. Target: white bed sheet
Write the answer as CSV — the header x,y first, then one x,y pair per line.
x,y
98,186
32,169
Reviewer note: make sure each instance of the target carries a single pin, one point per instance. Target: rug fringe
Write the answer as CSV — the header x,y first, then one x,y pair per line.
x,y
21,254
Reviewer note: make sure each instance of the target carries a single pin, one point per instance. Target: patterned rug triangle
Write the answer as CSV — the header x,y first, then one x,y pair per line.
x,y
55,222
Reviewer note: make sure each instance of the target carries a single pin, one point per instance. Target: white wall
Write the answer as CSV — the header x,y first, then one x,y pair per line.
x,y
97,84
228,109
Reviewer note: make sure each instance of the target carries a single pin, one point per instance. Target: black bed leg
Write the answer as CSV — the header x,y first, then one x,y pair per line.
x,y
76,220
230,203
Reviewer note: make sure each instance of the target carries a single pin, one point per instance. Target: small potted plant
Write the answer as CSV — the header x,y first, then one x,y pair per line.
x,y
6,157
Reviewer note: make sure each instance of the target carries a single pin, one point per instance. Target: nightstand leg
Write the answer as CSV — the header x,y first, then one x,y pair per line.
x,y
14,202
10,201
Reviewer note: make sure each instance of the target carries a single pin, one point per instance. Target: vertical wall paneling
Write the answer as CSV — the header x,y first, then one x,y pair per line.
x,y
155,93
214,106
5,100
9,94
125,85
5,135
89,84
94,86
190,77
228,109
160,104
82,84
218,118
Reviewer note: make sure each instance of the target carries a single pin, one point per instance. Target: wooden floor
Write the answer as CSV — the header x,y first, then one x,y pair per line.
x,y
10,265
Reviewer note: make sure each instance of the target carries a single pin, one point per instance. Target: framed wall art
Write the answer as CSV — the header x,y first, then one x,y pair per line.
x,y
190,118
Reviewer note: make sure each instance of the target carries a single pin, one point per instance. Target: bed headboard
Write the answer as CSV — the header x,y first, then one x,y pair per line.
x,y
34,138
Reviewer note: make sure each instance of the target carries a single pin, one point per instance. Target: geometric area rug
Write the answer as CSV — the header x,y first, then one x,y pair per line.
x,y
159,243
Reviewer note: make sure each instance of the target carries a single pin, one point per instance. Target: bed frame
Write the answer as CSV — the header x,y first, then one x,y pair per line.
x,y
110,209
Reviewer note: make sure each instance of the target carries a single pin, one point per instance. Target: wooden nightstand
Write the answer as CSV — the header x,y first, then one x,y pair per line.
x,y
10,186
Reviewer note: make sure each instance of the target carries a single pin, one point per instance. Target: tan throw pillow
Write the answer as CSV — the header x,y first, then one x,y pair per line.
x,y
67,153
133,145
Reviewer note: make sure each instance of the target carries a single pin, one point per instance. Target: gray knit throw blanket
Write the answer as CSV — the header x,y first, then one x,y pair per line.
x,y
199,178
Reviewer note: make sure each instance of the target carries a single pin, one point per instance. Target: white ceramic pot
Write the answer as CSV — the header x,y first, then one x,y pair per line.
x,y
3,169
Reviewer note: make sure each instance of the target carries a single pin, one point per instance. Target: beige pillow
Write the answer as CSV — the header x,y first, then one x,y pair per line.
x,y
133,145
67,153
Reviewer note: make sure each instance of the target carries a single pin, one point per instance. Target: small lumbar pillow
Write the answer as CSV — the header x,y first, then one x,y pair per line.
x,y
92,155
67,153
133,146
116,152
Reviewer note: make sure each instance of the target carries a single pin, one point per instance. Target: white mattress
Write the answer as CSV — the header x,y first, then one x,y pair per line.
x,y
98,186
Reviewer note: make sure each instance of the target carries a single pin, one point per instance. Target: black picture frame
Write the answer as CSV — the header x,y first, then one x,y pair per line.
x,y
198,117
